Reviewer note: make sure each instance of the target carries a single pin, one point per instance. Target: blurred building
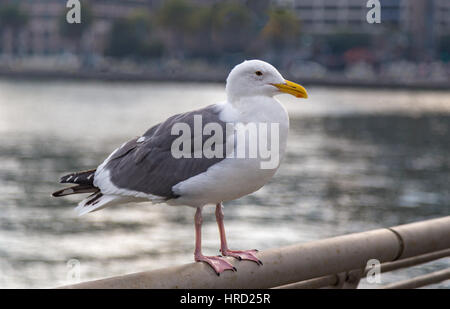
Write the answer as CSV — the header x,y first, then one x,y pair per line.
x,y
442,17
424,21
329,16
41,35
428,21
324,16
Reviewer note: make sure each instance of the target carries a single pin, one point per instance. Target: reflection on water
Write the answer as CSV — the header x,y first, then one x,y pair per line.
x,y
356,160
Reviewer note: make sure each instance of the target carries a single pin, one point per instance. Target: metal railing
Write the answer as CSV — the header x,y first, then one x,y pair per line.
x,y
338,262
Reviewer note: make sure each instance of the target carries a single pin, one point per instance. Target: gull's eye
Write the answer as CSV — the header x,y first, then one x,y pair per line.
x,y
259,73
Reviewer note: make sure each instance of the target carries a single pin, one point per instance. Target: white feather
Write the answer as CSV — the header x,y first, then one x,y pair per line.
x,y
233,178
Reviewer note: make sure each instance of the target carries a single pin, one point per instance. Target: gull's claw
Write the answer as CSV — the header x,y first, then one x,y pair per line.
x,y
248,255
217,263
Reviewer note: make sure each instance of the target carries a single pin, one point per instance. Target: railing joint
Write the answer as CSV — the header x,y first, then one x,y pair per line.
x,y
401,243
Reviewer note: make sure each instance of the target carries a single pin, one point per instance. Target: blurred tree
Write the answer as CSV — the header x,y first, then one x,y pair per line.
x,y
333,47
74,32
175,14
260,7
12,20
282,29
444,47
120,42
132,37
232,26
11,15
198,33
174,17
343,41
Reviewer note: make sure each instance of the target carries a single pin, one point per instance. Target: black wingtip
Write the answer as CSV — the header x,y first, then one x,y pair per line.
x,y
81,178
63,179
58,193
75,190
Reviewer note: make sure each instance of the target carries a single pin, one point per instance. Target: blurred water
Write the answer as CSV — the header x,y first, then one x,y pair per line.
x,y
356,160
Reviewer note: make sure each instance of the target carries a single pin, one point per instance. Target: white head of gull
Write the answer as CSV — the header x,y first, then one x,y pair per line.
x,y
146,169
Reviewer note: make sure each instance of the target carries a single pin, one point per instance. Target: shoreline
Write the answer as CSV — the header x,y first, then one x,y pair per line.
x,y
213,78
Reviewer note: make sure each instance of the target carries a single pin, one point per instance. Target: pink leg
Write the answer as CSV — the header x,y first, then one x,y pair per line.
x,y
239,254
219,264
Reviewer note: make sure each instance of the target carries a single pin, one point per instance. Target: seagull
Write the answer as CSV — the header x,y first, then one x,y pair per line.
x,y
151,168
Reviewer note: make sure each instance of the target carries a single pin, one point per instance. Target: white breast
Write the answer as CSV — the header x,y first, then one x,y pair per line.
x,y
233,178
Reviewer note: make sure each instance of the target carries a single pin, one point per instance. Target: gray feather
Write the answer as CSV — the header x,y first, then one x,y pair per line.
x,y
148,166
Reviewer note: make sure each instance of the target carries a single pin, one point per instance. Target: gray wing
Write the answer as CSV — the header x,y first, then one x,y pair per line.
x,y
147,165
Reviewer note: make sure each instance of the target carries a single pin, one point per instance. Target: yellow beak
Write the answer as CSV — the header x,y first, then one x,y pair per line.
x,y
292,88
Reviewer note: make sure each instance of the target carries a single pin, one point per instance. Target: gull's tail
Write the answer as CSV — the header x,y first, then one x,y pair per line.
x,y
97,201
84,183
